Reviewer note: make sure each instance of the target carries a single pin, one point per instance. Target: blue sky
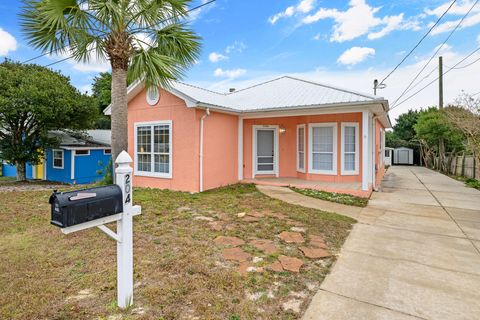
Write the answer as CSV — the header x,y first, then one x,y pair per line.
x,y
342,43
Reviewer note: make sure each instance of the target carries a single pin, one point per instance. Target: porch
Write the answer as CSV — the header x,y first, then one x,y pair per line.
x,y
353,188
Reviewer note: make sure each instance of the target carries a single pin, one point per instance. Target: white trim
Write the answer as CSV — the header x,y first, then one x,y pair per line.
x,y
310,148
154,101
85,148
301,126
72,165
53,158
342,148
240,148
149,173
365,142
81,155
273,128
202,125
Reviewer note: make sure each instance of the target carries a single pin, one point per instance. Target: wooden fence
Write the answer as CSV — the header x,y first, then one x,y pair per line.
x,y
461,165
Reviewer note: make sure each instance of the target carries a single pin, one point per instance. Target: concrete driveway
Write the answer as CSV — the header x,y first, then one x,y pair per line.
x,y
413,255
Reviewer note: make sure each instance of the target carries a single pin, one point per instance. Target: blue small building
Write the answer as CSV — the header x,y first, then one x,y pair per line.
x,y
77,160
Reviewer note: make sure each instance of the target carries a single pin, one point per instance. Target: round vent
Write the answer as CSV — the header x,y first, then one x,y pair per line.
x,y
153,95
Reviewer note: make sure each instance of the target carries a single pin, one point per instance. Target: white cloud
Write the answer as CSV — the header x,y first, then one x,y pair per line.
x,y
195,15
231,74
237,46
216,57
355,55
7,43
318,36
469,21
458,8
478,39
94,64
86,89
304,6
359,19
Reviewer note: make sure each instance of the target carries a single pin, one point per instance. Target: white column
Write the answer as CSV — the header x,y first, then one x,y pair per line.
x,y
125,233
240,148
365,150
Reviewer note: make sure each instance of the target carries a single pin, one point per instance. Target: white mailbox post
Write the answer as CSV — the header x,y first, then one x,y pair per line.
x,y
124,235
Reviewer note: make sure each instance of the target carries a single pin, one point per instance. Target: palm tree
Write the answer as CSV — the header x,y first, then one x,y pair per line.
x,y
144,40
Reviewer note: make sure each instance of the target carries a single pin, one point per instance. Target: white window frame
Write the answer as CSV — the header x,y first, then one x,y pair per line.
x,y
81,155
105,153
275,129
357,149
301,126
310,148
53,158
170,153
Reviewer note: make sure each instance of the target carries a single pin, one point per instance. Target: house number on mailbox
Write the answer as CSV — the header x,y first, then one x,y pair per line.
x,y
127,188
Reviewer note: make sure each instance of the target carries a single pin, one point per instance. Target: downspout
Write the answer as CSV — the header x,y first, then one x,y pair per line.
x,y
207,113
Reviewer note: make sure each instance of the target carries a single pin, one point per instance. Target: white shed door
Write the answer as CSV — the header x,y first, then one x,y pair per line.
x,y
403,156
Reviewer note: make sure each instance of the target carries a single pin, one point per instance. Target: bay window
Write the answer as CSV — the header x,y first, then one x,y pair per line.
x,y
153,149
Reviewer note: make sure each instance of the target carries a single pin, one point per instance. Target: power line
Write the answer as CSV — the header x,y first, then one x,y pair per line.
x,y
419,42
433,81
47,53
465,66
435,53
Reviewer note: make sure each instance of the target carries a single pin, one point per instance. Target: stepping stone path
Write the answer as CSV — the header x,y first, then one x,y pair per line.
x,y
256,214
251,219
317,241
294,223
275,267
298,229
315,253
264,245
228,241
291,237
277,215
216,225
235,254
290,263
203,218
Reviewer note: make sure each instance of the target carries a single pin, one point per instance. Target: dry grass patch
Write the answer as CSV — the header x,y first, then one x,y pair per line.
x,y
179,272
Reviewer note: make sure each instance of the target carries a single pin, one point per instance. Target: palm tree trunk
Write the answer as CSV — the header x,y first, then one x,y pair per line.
x,y
119,112
21,174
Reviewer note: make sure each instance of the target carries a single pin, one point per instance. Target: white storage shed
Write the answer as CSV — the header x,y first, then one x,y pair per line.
x,y
403,155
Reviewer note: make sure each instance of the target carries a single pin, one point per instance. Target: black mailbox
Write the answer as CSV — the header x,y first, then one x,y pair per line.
x,y
75,207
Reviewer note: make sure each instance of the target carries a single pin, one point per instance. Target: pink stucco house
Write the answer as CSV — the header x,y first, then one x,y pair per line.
x,y
286,131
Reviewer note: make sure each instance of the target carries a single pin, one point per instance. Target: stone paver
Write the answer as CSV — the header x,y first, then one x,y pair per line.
x,y
290,263
275,266
267,246
235,254
228,241
315,253
250,219
291,237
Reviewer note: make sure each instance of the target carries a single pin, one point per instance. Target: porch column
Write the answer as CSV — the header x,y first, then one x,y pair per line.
x,y
365,150
240,148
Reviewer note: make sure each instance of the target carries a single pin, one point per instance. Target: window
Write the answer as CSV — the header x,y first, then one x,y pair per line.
x,y
301,148
82,152
153,96
153,150
58,159
107,151
350,147
323,148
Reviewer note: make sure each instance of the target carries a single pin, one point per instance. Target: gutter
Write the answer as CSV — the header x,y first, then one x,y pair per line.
x,y
207,113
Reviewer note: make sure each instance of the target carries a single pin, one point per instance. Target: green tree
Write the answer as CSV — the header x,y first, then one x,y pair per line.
x,y
101,92
33,101
145,39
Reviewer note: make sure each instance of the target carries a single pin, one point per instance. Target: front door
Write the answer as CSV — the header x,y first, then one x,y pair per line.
x,y
265,157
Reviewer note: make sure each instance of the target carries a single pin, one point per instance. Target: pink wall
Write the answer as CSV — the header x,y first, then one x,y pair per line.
x,y
185,140
220,160
288,145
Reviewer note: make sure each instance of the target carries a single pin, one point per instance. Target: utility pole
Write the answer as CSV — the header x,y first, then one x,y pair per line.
x,y
441,142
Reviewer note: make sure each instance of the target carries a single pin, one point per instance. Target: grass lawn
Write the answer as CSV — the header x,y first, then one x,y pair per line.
x,y
334,197
179,271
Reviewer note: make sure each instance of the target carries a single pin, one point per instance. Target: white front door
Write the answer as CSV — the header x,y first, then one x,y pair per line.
x,y
265,157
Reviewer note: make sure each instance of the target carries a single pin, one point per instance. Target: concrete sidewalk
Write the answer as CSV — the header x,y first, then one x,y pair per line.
x,y
413,255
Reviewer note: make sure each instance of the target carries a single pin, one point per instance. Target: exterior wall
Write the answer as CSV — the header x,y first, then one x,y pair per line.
x,y
86,167
379,154
288,145
60,175
185,140
220,139
10,170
